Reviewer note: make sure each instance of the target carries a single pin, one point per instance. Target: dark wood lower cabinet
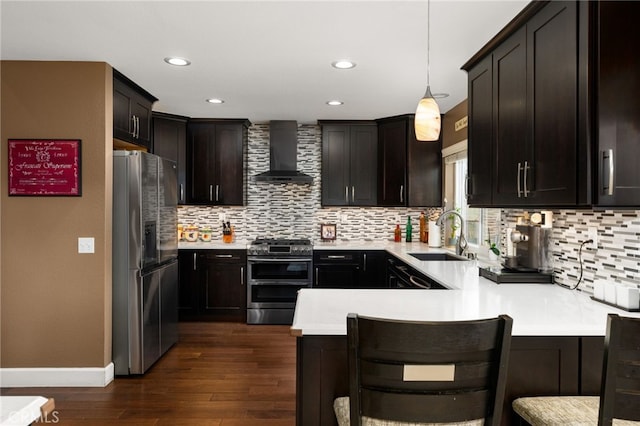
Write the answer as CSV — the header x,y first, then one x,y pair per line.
x,y
212,285
537,366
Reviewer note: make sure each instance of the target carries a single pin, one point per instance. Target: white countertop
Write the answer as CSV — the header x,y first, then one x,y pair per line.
x,y
536,309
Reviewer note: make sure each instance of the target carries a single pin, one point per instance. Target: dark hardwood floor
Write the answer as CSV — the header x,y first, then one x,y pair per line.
x,y
219,374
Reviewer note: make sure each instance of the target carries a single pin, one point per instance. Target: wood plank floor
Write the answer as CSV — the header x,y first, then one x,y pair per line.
x,y
219,374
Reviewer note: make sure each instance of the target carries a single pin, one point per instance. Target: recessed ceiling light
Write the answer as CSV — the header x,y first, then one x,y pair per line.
x,y
343,64
180,62
440,95
215,101
335,103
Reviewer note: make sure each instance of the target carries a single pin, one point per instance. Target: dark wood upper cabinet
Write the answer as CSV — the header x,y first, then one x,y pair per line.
x,y
410,171
349,163
131,111
618,111
533,140
480,146
170,141
216,161
512,146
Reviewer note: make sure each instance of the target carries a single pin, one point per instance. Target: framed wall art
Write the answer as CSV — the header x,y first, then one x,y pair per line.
x,y
328,232
45,167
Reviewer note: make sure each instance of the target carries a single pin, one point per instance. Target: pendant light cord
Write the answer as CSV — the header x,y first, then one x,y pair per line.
x,y
428,39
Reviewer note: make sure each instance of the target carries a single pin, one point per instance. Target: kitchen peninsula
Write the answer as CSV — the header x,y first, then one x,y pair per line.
x,y
556,349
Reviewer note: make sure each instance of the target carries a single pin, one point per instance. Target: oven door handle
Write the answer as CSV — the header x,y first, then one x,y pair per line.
x,y
279,260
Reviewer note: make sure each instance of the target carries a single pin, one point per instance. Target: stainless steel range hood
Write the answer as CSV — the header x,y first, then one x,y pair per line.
x,y
283,152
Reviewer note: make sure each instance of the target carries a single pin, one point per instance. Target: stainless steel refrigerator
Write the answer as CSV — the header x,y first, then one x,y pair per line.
x,y
145,260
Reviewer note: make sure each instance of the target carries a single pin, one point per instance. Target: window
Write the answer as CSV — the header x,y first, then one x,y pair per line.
x,y
480,224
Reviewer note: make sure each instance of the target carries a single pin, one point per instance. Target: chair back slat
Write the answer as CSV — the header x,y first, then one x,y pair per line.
x,y
436,408
474,353
620,392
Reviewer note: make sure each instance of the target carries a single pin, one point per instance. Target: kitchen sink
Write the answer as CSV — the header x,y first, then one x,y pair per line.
x,y
436,256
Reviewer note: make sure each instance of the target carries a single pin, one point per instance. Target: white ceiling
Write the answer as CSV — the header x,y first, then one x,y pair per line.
x,y
269,60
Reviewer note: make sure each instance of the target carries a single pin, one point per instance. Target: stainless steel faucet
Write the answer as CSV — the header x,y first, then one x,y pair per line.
x,y
462,242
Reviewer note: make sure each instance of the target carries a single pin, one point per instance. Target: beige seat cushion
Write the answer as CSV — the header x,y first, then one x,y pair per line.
x,y
562,410
341,408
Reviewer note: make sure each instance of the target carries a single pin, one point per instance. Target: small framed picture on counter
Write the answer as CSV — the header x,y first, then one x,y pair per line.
x,y
328,231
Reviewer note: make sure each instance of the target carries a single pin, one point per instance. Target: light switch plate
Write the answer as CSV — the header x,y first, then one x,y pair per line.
x,y
592,234
86,245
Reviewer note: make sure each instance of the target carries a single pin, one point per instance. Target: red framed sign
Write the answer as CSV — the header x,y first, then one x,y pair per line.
x,y
44,167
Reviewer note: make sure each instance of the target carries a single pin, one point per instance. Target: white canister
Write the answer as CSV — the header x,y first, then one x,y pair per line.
x,y
435,237
627,297
598,290
610,293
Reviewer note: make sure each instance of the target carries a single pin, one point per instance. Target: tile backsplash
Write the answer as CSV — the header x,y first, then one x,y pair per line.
x,y
294,211
617,258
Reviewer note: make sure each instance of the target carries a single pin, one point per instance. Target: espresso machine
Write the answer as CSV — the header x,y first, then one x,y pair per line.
x,y
532,260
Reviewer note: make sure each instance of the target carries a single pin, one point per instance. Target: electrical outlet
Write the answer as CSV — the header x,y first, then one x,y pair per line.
x,y
86,245
222,217
592,234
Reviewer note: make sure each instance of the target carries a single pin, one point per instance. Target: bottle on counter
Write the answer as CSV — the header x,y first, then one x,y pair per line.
x,y
408,230
397,234
424,232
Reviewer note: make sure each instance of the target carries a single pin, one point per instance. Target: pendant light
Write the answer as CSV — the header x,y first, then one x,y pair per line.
x,y
427,119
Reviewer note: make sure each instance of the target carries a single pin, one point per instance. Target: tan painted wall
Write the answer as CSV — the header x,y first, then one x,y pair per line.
x,y
55,303
450,136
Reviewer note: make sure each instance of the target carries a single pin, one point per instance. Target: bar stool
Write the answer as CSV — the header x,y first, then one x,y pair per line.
x,y
419,372
620,390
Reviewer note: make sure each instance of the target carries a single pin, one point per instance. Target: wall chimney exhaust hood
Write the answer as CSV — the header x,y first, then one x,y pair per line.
x,y
283,152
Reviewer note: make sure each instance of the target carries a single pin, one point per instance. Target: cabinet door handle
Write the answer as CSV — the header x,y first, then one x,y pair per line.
x,y
181,192
133,126
242,275
364,262
195,261
224,256
217,192
525,172
402,193
467,179
335,256
317,276
137,127
608,186
518,180
210,192
353,194
346,194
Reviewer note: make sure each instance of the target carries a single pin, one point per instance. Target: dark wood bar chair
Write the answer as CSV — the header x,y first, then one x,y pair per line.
x,y
620,391
425,372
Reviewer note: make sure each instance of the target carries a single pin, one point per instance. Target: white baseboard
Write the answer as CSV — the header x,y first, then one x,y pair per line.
x,y
56,377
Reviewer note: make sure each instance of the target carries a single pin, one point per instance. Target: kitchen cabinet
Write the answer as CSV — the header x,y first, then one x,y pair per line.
x,y
531,78
349,268
188,284
410,171
480,149
170,141
131,111
216,160
213,285
618,111
349,163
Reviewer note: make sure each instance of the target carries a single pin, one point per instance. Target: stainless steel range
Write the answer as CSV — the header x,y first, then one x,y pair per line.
x,y
276,270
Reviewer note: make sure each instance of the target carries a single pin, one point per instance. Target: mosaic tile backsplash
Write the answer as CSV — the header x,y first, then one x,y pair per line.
x,y
294,211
